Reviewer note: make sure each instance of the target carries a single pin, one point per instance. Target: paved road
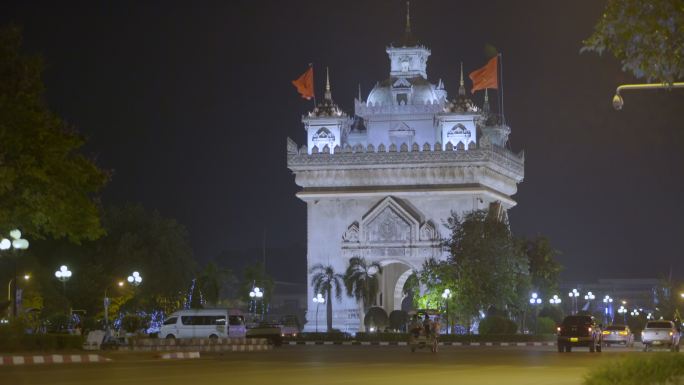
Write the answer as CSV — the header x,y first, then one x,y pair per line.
x,y
323,365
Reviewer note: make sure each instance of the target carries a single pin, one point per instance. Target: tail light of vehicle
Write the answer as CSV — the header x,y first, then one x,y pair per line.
x,y
623,333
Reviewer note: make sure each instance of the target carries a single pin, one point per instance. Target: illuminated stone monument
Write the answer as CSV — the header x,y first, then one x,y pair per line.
x,y
381,184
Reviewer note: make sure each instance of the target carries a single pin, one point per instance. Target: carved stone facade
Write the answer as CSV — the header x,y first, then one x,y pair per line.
x,y
383,189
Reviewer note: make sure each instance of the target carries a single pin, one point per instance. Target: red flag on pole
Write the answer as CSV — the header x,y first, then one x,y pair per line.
x,y
305,84
487,76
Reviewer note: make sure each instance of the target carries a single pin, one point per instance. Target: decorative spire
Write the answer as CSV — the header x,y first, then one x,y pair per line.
x,y
485,105
408,18
408,40
461,87
328,94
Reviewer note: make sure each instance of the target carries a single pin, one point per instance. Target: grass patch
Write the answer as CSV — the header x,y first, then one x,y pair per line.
x,y
656,369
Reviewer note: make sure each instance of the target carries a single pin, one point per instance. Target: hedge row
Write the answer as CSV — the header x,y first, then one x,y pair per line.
x,y
392,337
39,342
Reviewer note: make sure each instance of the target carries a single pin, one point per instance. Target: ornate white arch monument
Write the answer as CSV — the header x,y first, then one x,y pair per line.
x,y
380,184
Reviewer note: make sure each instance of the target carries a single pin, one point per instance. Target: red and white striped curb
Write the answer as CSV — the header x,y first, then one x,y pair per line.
x,y
51,359
403,343
180,355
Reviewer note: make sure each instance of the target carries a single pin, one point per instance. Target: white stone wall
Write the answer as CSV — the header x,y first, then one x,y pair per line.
x,y
329,218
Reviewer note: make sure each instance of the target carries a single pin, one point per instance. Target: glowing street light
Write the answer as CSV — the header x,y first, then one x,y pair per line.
x,y
555,300
256,294
16,242
535,301
618,102
63,274
607,306
574,294
446,295
135,279
623,310
318,299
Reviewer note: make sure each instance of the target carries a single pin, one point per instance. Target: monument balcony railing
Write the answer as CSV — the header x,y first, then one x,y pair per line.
x,y
363,156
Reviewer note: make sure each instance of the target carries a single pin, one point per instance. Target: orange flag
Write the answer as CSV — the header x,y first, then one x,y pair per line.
x,y
487,76
305,84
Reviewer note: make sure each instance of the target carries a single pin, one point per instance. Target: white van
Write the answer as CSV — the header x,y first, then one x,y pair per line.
x,y
203,323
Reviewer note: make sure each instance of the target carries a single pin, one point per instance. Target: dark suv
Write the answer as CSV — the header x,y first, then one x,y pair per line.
x,y
579,330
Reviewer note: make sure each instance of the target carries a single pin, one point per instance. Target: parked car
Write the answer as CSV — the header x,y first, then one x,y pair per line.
x,y
618,335
203,323
289,326
270,331
662,334
579,330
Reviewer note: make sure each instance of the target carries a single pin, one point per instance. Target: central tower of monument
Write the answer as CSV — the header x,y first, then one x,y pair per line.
x,y
381,184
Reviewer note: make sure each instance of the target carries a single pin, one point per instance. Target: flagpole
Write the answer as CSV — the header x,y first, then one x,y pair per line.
x,y
314,85
503,117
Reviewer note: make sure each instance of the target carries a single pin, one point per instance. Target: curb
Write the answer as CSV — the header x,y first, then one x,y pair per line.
x,y
180,356
404,343
51,359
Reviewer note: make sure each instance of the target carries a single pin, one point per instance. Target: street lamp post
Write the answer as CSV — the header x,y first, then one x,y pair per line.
x,y
63,274
555,300
16,242
623,310
589,297
9,287
318,299
535,301
574,294
618,102
446,295
257,294
607,305
106,308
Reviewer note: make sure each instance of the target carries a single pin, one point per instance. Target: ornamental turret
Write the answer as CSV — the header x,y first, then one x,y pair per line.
x,y
324,125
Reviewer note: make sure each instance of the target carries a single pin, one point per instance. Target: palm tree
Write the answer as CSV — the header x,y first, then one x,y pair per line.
x,y
362,283
324,281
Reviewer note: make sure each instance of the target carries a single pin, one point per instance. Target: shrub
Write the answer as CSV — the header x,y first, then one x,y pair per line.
x,y
398,320
545,325
376,317
497,325
660,368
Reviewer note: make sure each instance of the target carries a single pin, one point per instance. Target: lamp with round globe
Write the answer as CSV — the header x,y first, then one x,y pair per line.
x,y
14,244
607,308
318,299
256,294
535,301
446,294
135,279
623,310
574,294
555,300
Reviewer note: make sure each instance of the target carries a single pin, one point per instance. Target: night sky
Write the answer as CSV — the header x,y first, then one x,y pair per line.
x,y
190,104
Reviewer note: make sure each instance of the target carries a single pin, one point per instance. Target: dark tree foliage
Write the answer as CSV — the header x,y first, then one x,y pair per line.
x,y
157,247
489,267
47,187
544,269
212,281
645,36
